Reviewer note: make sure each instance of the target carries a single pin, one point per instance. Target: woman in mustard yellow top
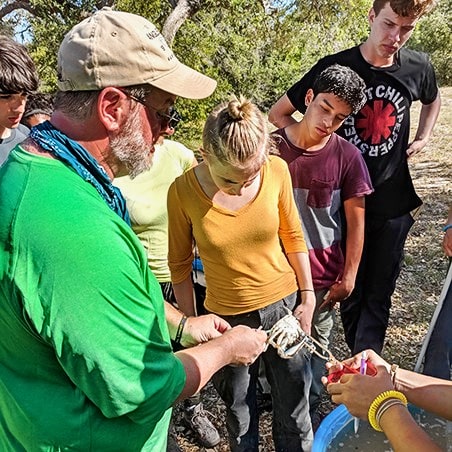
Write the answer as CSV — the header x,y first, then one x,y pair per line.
x,y
238,207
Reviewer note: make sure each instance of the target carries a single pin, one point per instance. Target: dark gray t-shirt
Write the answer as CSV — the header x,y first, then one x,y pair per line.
x,y
7,144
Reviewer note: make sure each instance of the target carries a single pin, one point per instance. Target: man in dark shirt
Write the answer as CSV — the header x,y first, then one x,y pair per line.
x,y
394,77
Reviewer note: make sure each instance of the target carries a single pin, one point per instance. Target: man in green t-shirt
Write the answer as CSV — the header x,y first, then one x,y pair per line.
x,y
85,356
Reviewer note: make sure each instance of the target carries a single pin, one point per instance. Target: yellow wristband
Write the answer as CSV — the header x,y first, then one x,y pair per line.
x,y
375,405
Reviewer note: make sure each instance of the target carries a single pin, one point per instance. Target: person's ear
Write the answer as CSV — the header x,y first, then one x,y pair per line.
x,y
371,16
113,108
309,97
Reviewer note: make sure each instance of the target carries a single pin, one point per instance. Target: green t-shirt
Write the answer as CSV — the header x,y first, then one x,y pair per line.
x,y
85,358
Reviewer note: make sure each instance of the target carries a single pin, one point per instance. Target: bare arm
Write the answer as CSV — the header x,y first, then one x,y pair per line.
x,y
354,214
404,434
185,298
427,120
429,393
219,346
305,311
196,330
281,112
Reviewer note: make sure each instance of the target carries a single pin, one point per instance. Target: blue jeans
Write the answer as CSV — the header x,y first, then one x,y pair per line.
x,y
365,313
290,380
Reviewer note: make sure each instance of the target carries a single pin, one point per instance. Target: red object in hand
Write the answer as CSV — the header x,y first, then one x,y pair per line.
x,y
334,377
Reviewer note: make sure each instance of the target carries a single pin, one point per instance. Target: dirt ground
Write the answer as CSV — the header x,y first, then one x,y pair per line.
x,y
418,287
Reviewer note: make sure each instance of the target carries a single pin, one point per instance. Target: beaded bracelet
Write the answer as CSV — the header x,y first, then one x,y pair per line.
x,y
180,329
375,405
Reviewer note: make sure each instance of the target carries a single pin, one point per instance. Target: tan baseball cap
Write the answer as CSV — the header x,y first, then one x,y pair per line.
x,y
115,48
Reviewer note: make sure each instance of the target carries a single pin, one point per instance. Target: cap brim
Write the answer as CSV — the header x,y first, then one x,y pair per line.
x,y
185,82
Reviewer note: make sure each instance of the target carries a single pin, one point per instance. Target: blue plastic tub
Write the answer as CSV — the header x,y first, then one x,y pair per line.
x,y
330,427
336,432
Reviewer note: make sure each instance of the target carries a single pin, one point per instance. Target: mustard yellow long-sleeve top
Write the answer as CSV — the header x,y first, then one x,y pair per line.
x,y
242,251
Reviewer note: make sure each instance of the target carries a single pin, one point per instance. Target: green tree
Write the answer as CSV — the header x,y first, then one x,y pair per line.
x,y
433,35
257,48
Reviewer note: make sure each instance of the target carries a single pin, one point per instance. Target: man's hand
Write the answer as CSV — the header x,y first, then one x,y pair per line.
x,y
356,391
338,293
246,344
415,147
202,329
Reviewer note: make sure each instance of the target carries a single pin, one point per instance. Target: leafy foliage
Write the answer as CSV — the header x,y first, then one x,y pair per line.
x,y
433,35
257,48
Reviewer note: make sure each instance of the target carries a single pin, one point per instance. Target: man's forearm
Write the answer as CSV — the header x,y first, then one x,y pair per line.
x,y
429,393
403,432
427,119
354,214
201,362
173,318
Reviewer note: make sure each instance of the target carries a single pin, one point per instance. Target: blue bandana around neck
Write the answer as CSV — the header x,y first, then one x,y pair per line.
x,y
82,162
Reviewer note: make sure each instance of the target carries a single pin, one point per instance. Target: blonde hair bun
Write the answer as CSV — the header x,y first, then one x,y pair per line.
x,y
236,133
240,108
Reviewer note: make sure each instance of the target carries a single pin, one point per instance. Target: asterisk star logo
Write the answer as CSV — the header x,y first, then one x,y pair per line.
x,y
375,124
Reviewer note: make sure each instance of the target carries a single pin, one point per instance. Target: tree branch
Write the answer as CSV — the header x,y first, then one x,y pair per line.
x,y
20,4
181,12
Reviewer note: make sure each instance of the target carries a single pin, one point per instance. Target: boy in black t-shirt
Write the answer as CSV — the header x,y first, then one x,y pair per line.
x,y
394,77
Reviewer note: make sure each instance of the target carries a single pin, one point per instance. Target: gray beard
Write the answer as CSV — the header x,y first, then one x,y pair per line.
x,y
130,148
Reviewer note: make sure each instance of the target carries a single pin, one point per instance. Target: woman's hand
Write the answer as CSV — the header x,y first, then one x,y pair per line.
x,y
305,311
356,391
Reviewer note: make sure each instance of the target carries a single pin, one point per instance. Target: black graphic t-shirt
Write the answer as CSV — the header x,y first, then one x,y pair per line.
x,y
380,130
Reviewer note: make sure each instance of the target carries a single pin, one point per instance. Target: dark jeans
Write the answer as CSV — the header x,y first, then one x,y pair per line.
x,y
289,379
365,314
438,356
322,326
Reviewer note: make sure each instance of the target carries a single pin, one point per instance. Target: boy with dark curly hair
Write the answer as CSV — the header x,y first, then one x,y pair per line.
x,y
329,177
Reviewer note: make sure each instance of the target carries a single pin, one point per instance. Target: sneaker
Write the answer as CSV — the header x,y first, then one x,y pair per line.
x,y
196,418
